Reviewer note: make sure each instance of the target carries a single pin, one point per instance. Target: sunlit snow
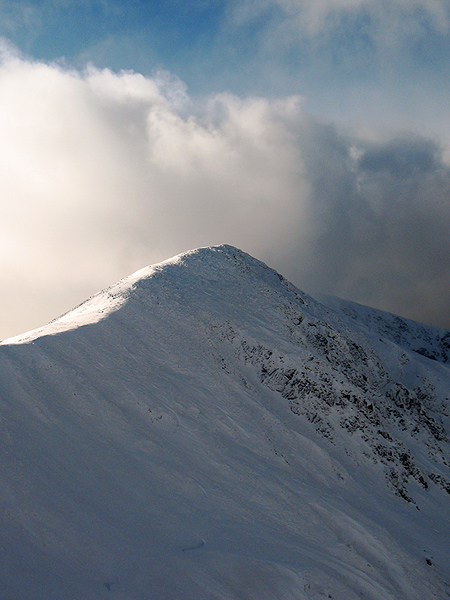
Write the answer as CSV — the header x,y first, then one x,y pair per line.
x,y
204,430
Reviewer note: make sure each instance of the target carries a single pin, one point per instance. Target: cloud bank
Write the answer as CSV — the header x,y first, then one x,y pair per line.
x,y
103,173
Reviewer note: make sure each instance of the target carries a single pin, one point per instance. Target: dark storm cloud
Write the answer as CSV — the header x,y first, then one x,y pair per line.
x,y
380,212
403,157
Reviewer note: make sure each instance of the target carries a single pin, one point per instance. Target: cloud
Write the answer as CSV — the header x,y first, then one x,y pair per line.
x,y
346,40
102,173
311,17
402,157
381,212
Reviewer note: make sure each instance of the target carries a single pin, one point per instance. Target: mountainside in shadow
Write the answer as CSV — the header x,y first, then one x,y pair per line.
x,y
204,430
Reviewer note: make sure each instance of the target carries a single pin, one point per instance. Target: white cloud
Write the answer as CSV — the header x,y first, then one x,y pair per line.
x,y
103,173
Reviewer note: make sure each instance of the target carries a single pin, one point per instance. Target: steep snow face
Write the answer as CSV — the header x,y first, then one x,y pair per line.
x,y
203,429
432,342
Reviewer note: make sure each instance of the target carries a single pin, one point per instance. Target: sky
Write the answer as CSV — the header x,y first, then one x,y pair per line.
x,y
313,134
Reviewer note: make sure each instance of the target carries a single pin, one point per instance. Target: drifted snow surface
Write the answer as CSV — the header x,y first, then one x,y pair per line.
x,y
204,430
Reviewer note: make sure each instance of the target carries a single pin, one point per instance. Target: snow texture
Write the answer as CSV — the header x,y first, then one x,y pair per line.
x,y
204,430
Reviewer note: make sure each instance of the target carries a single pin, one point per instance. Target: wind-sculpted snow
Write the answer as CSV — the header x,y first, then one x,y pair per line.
x,y
204,430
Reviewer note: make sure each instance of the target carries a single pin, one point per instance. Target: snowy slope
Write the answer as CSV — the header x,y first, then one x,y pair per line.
x,y
204,430
432,342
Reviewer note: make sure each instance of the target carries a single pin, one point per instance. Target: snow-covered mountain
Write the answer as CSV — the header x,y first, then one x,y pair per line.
x,y
204,430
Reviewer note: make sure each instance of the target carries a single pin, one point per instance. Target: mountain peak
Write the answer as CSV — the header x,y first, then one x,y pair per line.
x,y
196,270
203,429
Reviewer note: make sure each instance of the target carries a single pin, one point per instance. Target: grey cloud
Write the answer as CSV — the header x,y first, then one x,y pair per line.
x,y
382,216
403,157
